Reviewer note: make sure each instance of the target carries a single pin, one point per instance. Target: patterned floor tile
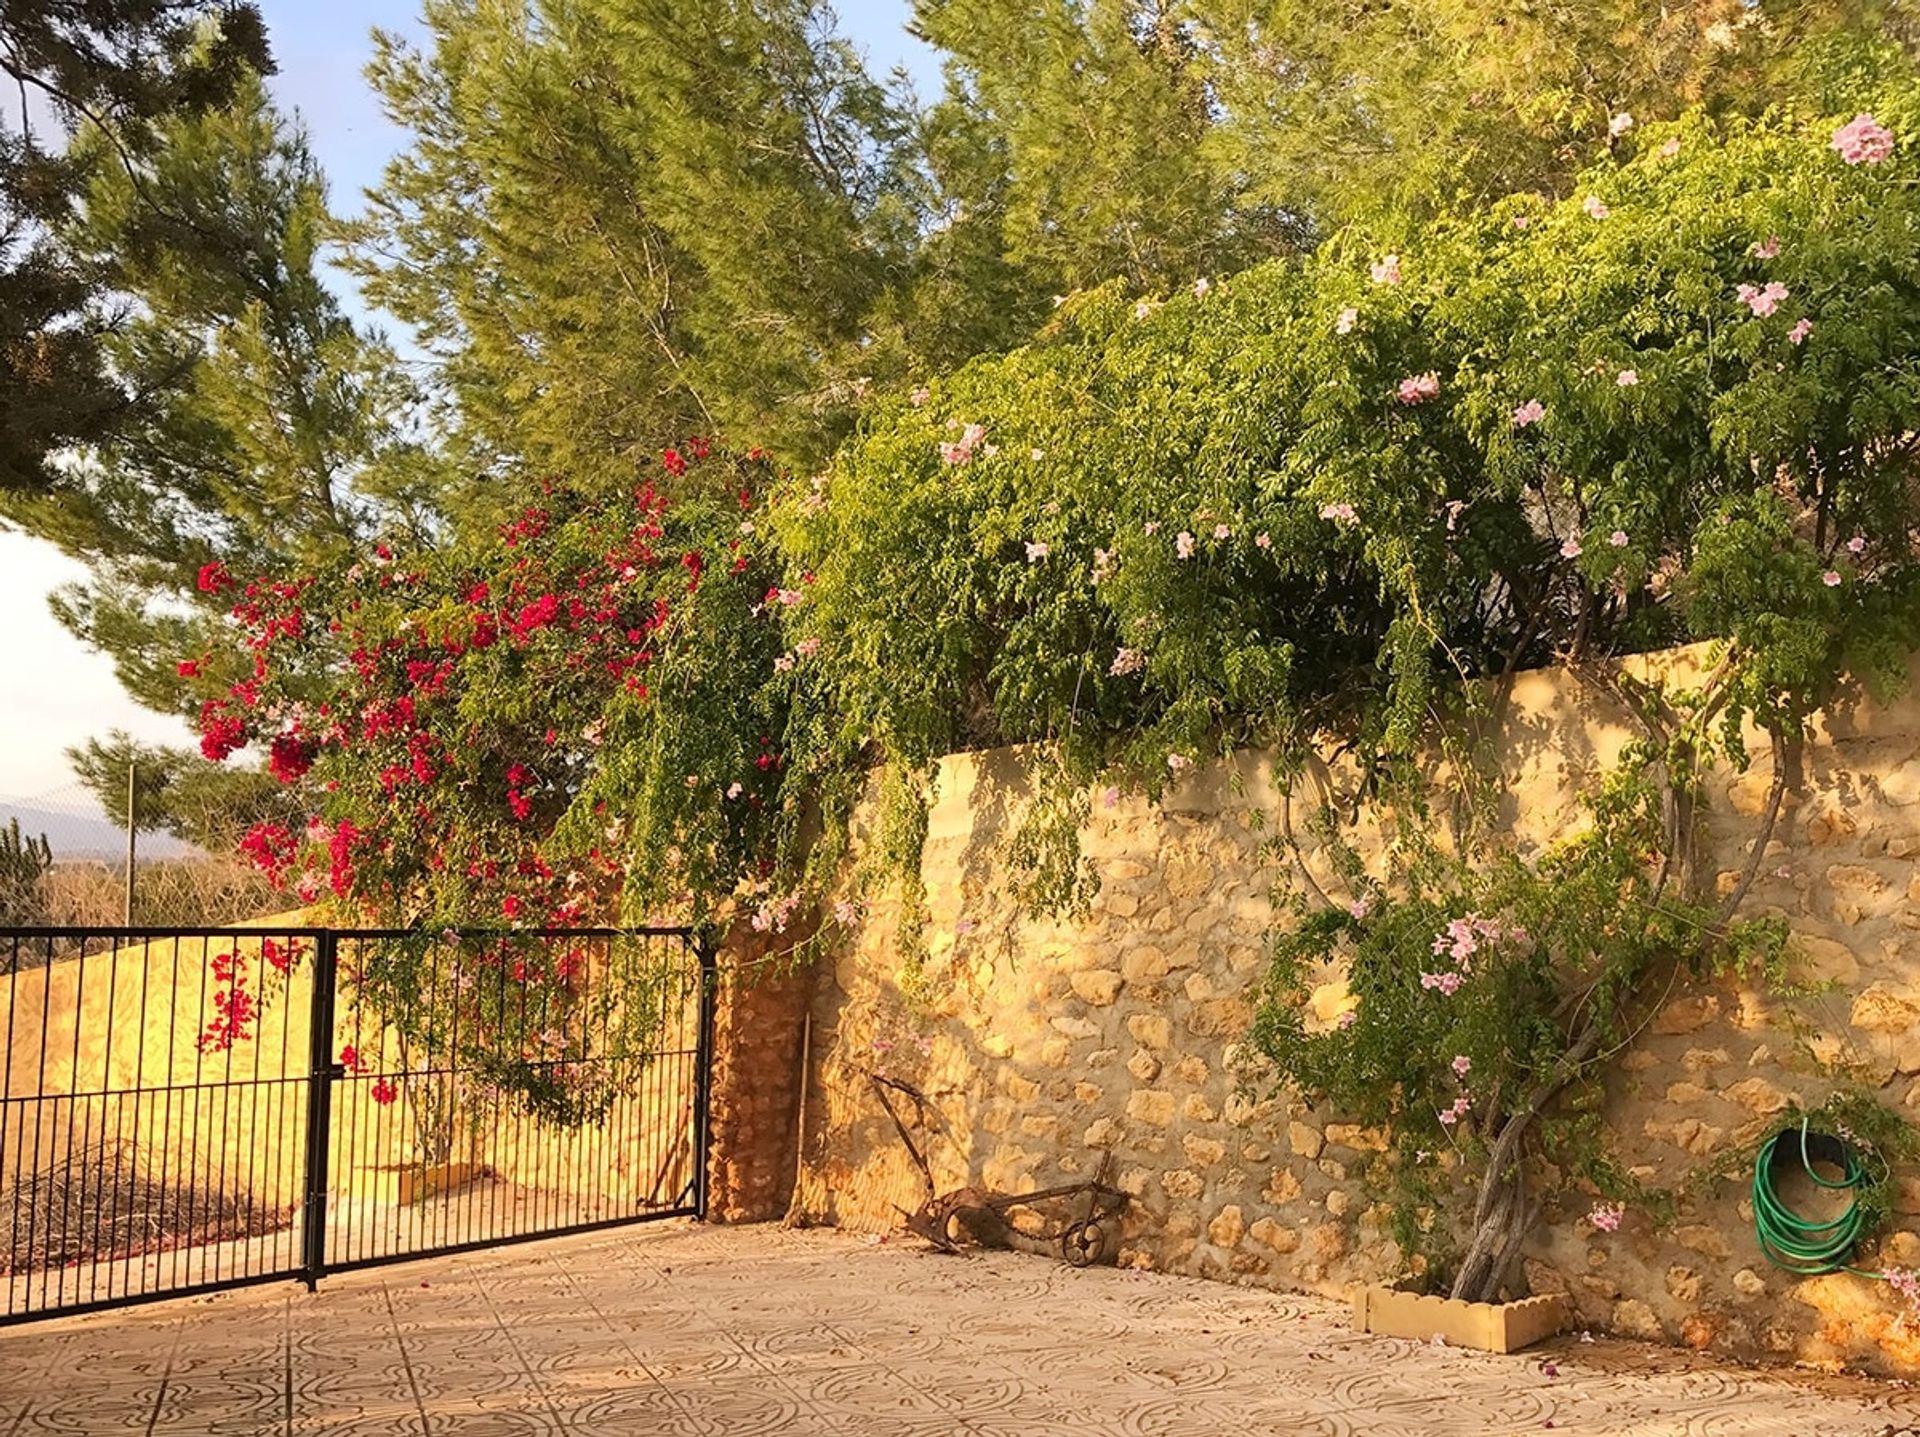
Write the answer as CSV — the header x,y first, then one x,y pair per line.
x,y
679,1331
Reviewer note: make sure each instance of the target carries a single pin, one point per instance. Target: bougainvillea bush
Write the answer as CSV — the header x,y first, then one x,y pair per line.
x,y
567,725
1323,504
564,723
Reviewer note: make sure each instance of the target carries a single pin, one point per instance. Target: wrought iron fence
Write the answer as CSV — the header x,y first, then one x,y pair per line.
x,y
183,1110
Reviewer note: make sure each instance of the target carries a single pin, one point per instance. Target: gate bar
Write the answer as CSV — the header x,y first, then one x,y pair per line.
x,y
322,1070
703,1071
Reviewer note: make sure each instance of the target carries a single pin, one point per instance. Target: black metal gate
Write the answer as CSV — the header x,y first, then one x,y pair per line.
x,y
185,1110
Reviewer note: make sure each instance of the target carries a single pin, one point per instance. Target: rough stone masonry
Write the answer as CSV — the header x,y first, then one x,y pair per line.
x,y
1044,1046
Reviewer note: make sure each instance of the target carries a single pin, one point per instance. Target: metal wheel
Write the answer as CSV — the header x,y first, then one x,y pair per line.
x,y
1084,1244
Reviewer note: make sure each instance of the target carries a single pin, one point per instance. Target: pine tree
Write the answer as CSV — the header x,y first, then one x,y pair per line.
x,y
178,792
272,435
1103,113
120,68
619,225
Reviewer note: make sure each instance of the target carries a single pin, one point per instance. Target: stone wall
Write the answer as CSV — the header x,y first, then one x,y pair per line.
x,y
759,1026
1045,1047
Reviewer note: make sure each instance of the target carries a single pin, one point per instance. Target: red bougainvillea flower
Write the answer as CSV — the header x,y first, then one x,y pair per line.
x,y
383,1091
214,578
534,616
289,757
340,854
673,461
188,668
233,1006
221,733
271,847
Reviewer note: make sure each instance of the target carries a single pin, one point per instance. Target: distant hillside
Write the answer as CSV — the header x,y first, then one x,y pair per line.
x,y
85,835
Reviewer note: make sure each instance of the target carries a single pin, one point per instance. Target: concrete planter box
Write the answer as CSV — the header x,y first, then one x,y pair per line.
x,y
408,1183
1488,1326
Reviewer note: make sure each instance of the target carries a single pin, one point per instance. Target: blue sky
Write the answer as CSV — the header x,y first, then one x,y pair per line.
x,y
321,47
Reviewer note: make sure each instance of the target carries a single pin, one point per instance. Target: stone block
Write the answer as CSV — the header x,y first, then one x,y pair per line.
x,y
1359,1139
1884,1009
1633,1318
1283,1187
1689,1134
1150,1105
1687,1015
1220,1018
1143,1065
1822,960
1305,1139
1182,1183
1188,875
1227,1227
1703,1239
1198,1108
1760,1096
1329,1241
1102,1133
1192,1069
1150,1030
1098,986
1202,1152
1271,1234
1543,1279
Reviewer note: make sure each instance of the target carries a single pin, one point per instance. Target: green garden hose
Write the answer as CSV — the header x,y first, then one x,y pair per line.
x,y
1802,1245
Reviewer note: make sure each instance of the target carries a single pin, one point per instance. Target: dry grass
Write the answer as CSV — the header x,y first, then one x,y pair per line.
x,y
105,1203
199,892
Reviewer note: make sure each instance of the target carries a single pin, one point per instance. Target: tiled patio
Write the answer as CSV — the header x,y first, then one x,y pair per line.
x,y
675,1329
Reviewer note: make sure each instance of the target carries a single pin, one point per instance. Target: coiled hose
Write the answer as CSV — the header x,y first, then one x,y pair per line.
x,y
1800,1245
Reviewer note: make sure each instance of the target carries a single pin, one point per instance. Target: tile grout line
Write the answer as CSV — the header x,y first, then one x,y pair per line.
x,y
39,1380
166,1375
780,1377
286,1341
638,1361
406,1363
560,1423
771,1374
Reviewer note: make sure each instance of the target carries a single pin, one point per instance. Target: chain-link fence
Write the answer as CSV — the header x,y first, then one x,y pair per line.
x,y
64,864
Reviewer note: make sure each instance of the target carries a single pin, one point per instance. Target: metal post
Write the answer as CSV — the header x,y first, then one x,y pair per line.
x,y
322,1069
703,1073
133,826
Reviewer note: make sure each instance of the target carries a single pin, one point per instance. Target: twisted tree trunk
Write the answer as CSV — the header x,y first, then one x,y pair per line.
x,y
1503,1213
